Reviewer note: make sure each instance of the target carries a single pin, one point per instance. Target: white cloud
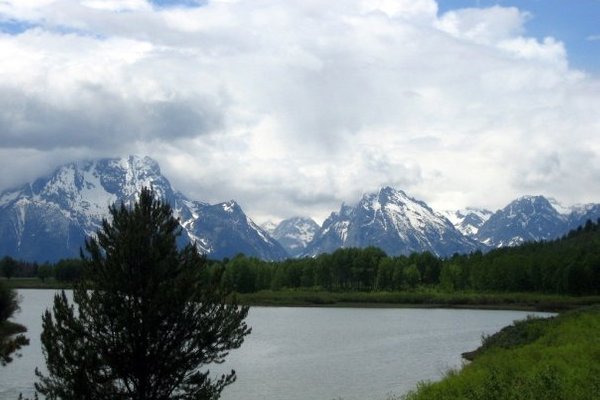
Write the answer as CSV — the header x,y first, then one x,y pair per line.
x,y
117,5
485,26
292,107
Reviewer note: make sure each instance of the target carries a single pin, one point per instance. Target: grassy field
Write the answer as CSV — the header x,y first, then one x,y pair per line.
x,y
35,283
423,297
418,298
552,359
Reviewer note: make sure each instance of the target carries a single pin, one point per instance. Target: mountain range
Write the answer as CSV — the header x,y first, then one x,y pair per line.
x,y
392,221
49,219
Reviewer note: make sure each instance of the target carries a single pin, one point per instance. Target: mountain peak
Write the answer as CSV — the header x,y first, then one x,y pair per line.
x,y
295,233
528,218
392,221
49,219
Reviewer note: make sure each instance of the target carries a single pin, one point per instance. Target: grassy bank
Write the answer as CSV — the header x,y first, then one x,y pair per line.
x,y
35,283
423,297
418,298
553,359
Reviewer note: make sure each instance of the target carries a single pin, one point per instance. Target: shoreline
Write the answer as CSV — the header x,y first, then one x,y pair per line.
x,y
423,298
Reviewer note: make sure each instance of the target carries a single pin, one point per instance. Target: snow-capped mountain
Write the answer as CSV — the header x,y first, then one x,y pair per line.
x,y
269,227
469,220
49,219
295,233
392,221
580,214
528,218
226,231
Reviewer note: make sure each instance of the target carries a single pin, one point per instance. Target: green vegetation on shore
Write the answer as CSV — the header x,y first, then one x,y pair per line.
x,y
556,359
558,275
35,283
418,298
422,297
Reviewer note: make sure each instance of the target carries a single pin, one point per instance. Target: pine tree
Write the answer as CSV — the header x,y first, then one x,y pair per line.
x,y
143,324
11,334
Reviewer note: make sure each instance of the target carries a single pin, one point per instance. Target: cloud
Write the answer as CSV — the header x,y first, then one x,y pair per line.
x,y
292,107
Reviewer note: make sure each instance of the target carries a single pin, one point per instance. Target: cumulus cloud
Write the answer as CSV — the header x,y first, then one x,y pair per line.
x,y
293,107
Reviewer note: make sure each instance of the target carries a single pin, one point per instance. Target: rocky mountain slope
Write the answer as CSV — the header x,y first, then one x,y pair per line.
x,y
49,218
392,221
294,234
469,220
533,218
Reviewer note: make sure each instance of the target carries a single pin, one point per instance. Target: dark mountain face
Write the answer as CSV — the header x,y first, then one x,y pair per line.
x,y
226,231
49,219
469,220
294,234
392,221
581,214
529,218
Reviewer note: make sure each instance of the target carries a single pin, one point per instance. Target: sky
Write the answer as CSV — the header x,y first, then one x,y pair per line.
x,y
293,107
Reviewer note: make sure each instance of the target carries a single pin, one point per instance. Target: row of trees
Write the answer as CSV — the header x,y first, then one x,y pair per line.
x,y
67,270
344,269
570,265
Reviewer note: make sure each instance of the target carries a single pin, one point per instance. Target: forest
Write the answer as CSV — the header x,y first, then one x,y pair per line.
x,y
569,265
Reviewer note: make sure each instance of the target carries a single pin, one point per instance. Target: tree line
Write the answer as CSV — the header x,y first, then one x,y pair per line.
x,y
569,265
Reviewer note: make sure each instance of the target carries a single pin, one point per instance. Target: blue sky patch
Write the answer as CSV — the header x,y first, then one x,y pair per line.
x,y
14,27
575,24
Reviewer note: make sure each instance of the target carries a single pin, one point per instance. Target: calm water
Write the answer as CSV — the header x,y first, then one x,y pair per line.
x,y
316,353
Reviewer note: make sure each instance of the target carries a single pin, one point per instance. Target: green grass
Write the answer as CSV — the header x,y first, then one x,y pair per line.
x,y
422,297
554,359
35,283
417,298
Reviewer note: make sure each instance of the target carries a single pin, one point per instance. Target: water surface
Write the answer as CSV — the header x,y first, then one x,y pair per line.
x,y
315,353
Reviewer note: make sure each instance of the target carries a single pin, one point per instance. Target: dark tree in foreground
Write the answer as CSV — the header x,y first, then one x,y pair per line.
x,y
11,337
144,323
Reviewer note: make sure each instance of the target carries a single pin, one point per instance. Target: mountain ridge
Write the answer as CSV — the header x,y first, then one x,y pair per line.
x,y
48,218
392,221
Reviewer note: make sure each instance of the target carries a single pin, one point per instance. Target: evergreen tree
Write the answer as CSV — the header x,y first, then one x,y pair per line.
x,y
8,266
11,337
143,323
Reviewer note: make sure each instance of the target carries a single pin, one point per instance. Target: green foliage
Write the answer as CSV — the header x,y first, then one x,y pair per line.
x,y
412,275
146,318
518,334
8,266
422,297
44,272
11,334
69,270
533,359
570,265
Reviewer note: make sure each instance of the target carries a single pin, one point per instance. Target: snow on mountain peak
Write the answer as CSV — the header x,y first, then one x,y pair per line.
x,y
295,233
468,220
392,221
75,198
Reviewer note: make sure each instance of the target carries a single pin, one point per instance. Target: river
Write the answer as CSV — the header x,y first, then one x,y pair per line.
x,y
315,353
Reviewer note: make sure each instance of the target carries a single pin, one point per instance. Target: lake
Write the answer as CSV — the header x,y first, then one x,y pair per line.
x,y
315,353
